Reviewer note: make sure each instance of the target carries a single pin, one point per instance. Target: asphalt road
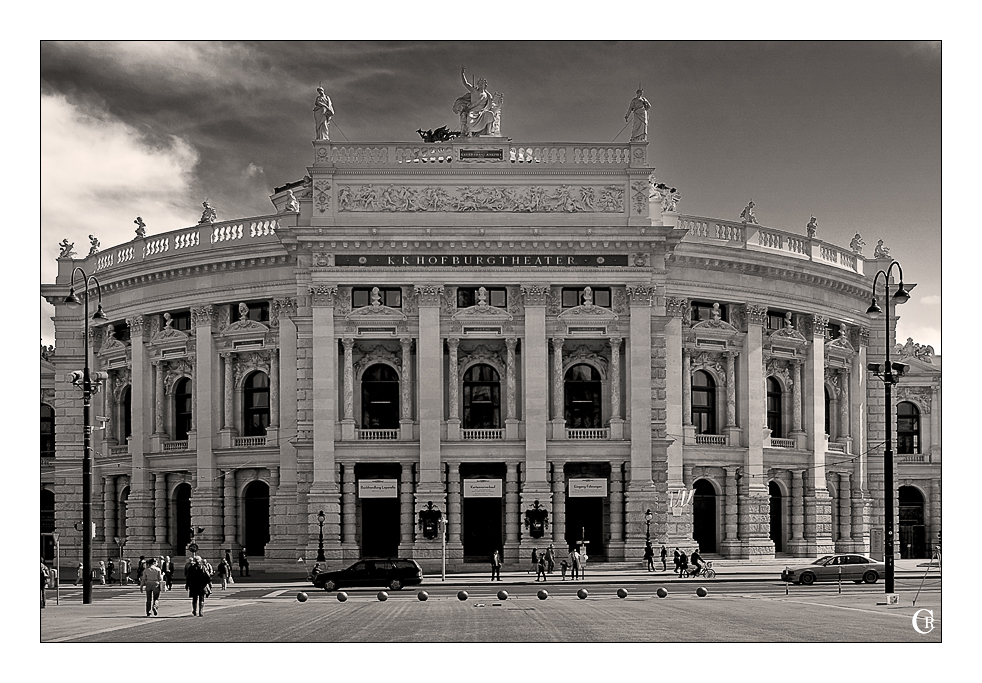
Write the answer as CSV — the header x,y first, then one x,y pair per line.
x,y
735,611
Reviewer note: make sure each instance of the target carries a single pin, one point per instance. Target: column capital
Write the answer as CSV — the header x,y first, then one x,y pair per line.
x,y
406,342
557,343
511,343
428,295
348,343
535,295
756,315
862,336
453,343
640,295
676,306
820,325
323,295
137,324
282,308
615,342
204,315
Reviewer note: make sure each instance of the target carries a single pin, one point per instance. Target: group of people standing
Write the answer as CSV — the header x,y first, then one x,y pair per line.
x,y
545,563
682,562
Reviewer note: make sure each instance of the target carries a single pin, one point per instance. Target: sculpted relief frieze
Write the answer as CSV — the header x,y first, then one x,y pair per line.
x,y
491,198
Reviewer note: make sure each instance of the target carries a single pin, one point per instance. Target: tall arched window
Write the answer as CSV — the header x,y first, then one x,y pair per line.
x,y
703,402
126,421
255,405
908,428
47,430
582,406
380,398
182,409
482,398
774,416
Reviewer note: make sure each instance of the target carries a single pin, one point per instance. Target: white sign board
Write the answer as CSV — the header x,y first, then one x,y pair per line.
x,y
587,488
378,488
482,488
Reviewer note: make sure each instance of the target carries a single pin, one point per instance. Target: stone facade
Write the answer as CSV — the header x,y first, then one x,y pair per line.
x,y
481,336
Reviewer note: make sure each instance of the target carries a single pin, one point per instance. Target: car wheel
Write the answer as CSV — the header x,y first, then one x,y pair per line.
x,y
870,576
330,585
807,578
396,585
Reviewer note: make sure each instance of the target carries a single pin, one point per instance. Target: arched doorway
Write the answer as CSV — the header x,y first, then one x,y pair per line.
x,y
181,531
704,516
47,524
256,518
912,529
777,516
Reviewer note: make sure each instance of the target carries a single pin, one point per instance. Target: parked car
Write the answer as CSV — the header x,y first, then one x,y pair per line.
x,y
393,574
849,567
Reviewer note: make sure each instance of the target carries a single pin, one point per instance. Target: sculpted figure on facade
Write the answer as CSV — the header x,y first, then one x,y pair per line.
x,y
479,111
93,245
67,249
879,251
209,215
747,215
857,244
639,110
323,113
911,349
141,227
812,228
292,204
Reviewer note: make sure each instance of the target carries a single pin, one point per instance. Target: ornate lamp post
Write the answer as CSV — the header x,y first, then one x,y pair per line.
x,y
320,539
647,524
890,373
72,301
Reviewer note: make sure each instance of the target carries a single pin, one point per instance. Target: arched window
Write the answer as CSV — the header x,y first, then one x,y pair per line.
x,y
774,416
908,428
47,430
255,405
182,409
126,421
380,398
482,398
828,412
703,402
582,406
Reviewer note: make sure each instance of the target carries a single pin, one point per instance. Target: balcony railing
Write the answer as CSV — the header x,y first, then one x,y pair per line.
x,y
837,447
176,445
711,439
378,434
912,457
783,443
119,450
482,434
249,442
588,434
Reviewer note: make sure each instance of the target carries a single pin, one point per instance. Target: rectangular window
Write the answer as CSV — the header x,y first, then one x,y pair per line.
x,y
181,320
121,331
258,311
390,296
702,311
576,297
832,331
775,320
468,296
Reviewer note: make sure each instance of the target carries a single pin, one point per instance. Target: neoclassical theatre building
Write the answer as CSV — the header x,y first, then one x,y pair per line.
x,y
515,343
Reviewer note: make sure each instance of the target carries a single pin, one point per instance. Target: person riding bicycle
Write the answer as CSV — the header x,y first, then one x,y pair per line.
x,y
696,560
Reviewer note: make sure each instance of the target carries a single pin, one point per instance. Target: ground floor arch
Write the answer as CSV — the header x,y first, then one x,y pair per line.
x,y
180,531
705,521
255,518
913,531
777,531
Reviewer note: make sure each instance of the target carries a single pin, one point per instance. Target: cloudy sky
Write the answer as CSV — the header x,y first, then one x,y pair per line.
x,y
847,131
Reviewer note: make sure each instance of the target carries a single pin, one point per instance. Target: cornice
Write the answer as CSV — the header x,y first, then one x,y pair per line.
x,y
184,272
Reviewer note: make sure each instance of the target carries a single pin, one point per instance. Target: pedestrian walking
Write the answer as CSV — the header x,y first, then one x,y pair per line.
x,y
563,566
649,556
102,572
540,568
535,560
583,558
110,572
678,556
151,581
228,561
141,565
223,573
550,558
78,573
243,563
124,572
197,582
683,563
168,568
495,566
44,580
664,558
574,562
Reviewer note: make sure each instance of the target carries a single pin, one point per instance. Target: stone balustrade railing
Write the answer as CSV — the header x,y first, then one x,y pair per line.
x,y
783,443
378,434
711,439
249,442
394,154
588,434
836,447
753,237
482,434
198,238
119,450
176,445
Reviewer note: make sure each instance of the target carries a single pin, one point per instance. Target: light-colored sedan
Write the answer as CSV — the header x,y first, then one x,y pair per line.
x,y
847,567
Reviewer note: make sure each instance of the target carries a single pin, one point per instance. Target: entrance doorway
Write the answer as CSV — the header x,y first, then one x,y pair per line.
x,y
912,531
585,521
379,527
704,516
777,516
181,533
256,518
482,528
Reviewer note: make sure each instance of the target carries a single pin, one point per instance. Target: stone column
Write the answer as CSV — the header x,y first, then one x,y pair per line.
x,y
139,523
935,446
558,386
406,387
453,387
678,410
844,541
158,408
845,435
734,434
160,508
454,509
535,387
349,507
617,550
731,514
109,507
228,431
818,504
274,389
406,495
796,401
796,543
512,520
616,419
511,416
557,516
686,387
348,390
641,492
283,545
228,508
324,492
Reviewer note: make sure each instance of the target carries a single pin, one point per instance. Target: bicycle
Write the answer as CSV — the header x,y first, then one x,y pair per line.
x,y
707,572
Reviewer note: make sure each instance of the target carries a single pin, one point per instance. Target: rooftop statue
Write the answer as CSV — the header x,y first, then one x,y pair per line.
x,y
639,109
747,215
209,215
67,249
879,251
479,111
857,244
292,203
812,228
94,245
141,227
323,113
441,134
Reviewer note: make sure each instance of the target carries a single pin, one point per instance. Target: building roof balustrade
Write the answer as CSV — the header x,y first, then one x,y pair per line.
x,y
473,152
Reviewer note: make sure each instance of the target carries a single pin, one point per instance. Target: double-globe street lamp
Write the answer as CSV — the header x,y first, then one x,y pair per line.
x,y
890,373
320,540
647,524
73,302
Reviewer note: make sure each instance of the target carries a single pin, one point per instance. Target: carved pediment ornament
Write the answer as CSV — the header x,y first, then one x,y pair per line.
x,y
778,367
376,310
109,342
588,313
583,354
175,370
713,362
919,396
482,310
245,363
482,354
378,354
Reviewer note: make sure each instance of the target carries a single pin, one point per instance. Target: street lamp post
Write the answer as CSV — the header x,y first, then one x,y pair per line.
x,y
73,302
647,524
890,373
320,539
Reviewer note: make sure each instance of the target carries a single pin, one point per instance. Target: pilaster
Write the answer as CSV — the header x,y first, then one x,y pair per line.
x,y
206,510
139,508
535,387
429,353
676,415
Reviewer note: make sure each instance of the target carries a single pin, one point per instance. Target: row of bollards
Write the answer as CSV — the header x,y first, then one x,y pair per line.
x,y
582,594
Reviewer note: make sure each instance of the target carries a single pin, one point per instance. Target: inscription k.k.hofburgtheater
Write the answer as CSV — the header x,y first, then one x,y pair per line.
x,y
477,260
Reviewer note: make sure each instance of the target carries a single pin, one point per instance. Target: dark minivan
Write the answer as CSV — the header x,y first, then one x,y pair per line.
x,y
394,574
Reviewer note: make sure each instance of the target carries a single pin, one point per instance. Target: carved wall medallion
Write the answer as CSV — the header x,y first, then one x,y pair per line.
x,y
322,195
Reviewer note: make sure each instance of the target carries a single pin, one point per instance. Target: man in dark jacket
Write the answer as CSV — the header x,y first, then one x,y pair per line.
x,y
198,584
243,563
664,558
